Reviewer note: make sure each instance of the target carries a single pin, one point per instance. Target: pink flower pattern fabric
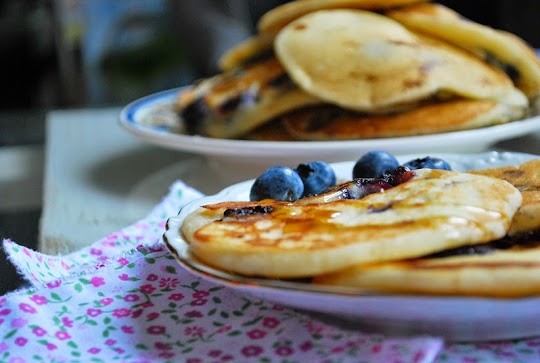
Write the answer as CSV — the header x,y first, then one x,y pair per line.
x,y
124,298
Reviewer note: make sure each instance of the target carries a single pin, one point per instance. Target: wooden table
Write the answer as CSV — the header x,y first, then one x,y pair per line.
x,y
98,178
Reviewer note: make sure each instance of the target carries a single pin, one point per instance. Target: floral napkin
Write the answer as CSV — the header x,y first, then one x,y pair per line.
x,y
125,299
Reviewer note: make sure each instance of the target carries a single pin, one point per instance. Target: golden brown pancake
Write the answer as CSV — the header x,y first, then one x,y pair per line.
x,y
270,131
504,49
233,103
525,177
245,51
492,272
262,43
433,211
370,63
334,123
274,20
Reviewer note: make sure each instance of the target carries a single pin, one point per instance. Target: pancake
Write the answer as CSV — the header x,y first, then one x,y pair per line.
x,y
506,272
270,131
370,63
274,20
432,211
525,177
506,50
261,44
509,267
249,50
333,123
233,103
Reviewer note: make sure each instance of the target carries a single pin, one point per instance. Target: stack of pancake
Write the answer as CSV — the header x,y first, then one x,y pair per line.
x,y
359,69
507,267
437,232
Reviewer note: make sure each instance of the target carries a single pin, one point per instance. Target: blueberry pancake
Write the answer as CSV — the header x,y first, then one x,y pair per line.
x,y
233,103
525,177
501,48
274,20
507,267
271,131
261,44
328,122
370,63
425,212
247,51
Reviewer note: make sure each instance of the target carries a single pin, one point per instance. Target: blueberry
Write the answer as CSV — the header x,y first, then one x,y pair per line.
x,y
374,164
427,162
317,176
279,183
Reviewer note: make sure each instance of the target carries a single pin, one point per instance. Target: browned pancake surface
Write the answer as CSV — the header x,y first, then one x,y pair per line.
x,y
233,103
500,273
504,49
526,178
274,20
333,123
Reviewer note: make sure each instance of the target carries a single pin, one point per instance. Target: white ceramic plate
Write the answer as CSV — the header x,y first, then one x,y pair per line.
x,y
248,158
454,318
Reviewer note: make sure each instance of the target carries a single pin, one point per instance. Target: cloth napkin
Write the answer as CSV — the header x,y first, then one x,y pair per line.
x,y
124,298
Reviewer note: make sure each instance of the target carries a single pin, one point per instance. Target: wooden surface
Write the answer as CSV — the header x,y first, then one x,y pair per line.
x,y
93,170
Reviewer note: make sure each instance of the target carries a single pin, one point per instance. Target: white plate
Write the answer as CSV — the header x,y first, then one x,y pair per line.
x,y
454,318
246,159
